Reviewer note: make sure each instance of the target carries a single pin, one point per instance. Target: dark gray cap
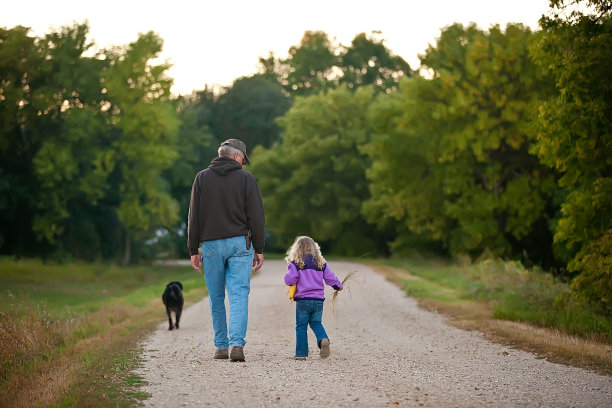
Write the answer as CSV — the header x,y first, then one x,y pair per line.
x,y
237,144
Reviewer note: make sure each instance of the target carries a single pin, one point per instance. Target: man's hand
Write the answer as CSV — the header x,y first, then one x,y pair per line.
x,y
196,263
258,260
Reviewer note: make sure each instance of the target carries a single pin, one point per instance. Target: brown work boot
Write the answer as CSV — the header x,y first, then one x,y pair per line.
x,y
221,354
324,348
237,354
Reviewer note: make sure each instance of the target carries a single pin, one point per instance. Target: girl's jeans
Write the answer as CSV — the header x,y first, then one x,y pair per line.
x,y
227,265
308,311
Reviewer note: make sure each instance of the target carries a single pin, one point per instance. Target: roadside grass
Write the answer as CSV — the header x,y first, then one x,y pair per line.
x,y
69,334
513,305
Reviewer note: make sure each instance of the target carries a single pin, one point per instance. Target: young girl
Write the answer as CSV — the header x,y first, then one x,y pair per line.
x,y
307,269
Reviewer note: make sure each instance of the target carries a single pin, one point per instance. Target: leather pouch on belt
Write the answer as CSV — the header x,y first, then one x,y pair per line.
x,y
248,242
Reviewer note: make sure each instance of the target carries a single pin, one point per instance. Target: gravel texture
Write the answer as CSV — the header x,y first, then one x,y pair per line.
x,y
385,351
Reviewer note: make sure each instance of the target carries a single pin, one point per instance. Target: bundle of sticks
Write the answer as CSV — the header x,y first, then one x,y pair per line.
x,y
349,276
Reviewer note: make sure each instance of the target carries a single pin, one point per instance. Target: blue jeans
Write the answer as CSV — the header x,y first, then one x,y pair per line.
x,y
227,265
307,312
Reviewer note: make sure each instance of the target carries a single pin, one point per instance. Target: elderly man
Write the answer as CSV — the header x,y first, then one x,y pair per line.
x,y
226,217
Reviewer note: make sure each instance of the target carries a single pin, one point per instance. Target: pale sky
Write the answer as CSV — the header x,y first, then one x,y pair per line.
x,y
216,42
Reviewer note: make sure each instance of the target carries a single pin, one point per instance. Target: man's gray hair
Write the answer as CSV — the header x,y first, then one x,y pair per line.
x,y
228,151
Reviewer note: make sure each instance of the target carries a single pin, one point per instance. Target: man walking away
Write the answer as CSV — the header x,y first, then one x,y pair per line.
x,y
226,217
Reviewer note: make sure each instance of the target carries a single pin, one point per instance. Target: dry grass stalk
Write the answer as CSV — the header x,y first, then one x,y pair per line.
x,y
43,357
349,277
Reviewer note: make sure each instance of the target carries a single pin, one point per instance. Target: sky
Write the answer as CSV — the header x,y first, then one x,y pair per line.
x,y
215,42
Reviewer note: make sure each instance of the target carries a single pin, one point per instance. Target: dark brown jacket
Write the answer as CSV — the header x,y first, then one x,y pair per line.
x,y
225,202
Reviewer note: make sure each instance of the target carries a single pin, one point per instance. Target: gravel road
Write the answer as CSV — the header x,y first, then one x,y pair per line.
x,y
385,351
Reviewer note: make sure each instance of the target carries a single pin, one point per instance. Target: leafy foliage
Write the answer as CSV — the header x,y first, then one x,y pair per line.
x,y
20,60
91,134
310,64
313,180
368,62
317,64
505,142
247,111
574,136
69,163
196,146
145,145
451,159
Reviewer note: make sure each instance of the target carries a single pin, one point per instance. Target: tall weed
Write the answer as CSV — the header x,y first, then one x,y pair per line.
x,y
28,333
531,295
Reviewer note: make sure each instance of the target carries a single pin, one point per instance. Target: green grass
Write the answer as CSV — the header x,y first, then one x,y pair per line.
x,y
429,289
516,293
85,288
85,319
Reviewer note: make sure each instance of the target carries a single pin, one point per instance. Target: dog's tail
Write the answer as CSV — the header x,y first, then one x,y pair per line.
x,y
176,292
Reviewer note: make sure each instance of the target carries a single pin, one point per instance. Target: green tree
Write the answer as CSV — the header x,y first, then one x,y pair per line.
x,y
574,136
310,64
451,157
313,180
73,161
145,144
84,141
196,147
49,109
406,177
369,62
247,111
318,64
20,63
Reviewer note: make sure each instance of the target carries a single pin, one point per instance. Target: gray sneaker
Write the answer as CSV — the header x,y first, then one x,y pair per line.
x,y
324,348
299,358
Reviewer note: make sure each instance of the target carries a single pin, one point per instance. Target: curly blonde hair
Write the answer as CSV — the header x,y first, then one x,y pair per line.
x,y
304,245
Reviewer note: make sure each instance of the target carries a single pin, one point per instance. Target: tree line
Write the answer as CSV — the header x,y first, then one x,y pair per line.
x,y
98,158
499,143
502,144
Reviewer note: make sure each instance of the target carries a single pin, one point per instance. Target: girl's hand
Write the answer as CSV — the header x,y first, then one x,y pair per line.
x,y
339,290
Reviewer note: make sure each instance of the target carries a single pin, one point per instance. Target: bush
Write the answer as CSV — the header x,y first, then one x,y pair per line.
x,y
594,283
531,295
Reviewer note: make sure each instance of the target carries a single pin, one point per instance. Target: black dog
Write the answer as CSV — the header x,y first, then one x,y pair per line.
x,y
173,299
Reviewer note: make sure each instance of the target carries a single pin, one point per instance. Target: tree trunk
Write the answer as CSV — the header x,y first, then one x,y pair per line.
x,y
127,253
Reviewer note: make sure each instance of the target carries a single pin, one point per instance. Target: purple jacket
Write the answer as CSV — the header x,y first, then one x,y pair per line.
x,y
310,279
